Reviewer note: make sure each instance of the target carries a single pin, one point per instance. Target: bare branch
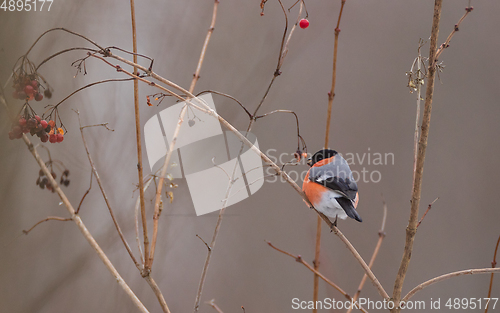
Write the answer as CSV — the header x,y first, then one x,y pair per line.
x,y
381,236
411,229
50,218
447,276
96,174
299,259
426,211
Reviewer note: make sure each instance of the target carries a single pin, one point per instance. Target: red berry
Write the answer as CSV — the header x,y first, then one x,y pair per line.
x,y
28,89
38,118
52,138
11,135
26,130
34,83
44,123
38,96
52,123
22,121
304,23
44,138
17,130
60,137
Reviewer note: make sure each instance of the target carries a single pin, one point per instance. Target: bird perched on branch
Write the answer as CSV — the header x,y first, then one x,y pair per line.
x,y
330,187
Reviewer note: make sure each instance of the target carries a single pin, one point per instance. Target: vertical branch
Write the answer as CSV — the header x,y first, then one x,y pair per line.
x,y
411,229
331,95
138,138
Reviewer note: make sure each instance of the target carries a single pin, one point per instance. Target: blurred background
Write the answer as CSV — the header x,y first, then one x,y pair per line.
x,y
54,269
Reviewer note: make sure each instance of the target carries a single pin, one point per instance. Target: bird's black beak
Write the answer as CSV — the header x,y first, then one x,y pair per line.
x,y
309,162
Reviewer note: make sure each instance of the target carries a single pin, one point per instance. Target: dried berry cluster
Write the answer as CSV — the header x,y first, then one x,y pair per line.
x,y
35,125
44,182
28,88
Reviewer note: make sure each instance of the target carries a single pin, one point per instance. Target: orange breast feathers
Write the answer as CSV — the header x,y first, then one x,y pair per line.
x,y
313,191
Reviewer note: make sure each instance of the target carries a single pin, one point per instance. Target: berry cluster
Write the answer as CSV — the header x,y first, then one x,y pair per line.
x,y
27,88
44,182
35,125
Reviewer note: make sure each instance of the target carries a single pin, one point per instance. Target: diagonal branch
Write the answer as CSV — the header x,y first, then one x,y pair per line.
x,y
96,175
299,259
381,236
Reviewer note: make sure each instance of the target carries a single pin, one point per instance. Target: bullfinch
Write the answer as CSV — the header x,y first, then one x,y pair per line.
x,y
330,187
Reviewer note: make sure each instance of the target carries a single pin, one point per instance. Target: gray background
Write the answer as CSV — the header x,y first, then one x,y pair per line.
x,y
55,270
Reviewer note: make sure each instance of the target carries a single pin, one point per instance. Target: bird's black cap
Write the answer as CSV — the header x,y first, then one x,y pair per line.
x,y
321,155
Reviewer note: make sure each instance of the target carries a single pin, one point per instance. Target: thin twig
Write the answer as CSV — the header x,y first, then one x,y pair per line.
x,y
227,96
493,265
381,236
66,30
96,175
50,218
87,86
446,44
447,276
299,259
411,229
426,211
61,52
196,75
86,192
140,174
331,95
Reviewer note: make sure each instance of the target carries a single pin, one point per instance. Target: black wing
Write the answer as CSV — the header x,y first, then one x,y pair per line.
x,y
337,176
